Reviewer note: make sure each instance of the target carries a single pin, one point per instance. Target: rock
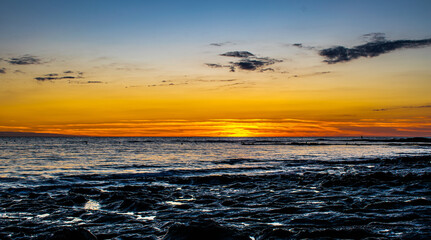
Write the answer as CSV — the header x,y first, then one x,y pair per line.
x,y
199,230
86,191
72,234
276,234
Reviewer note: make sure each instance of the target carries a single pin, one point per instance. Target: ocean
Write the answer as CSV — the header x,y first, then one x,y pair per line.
x,y
215,188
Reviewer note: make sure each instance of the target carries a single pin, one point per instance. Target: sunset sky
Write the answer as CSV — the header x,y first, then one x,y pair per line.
x,y
216,68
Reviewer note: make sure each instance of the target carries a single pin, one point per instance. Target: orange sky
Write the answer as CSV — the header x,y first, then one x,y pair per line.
x,y
180,77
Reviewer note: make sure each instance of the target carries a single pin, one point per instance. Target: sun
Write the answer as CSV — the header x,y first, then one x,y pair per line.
x,y
238,130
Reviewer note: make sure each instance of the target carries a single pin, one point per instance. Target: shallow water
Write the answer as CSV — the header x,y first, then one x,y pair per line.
x,y
249,188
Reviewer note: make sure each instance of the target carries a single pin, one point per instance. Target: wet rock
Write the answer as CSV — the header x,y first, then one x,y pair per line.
x,y
383,205
85,191
276,234
354,233
285,210
229,203
419,202
4,236
72,234
111,218
135,205
78,199
207,230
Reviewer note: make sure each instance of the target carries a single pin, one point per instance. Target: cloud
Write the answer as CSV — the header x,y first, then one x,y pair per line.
x,y
267,69
3,70
68,71
56,76
45,78
249,64
214,65
24,60
53,78
374,37
248,61
220,44
300,45
167,84
310,74
51,74
252,64
402,107
94,82
379,45
216,80
238,54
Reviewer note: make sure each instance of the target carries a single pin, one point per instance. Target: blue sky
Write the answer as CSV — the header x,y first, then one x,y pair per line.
x,y
40,24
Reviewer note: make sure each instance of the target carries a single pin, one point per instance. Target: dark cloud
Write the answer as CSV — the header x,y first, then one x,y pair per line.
x,y
68,71
214,65
300,45
3,70
51,74
220,44
56,76
94,82
24,60
248,61
238,54
402,107
371,49
252,64
45,78
249,64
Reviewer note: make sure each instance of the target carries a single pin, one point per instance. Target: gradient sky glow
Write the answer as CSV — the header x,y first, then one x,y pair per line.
x,y
154,68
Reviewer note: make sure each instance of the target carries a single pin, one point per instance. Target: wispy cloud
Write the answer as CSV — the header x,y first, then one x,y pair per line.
x,y
215,80
247,61
24,60
376,46
374,37
168,83
267,69
300,45
310,74
56,76
401,107
214,65
95,82
220,44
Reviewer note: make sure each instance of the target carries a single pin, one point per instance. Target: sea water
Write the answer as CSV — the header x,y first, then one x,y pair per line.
x,y
252,187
